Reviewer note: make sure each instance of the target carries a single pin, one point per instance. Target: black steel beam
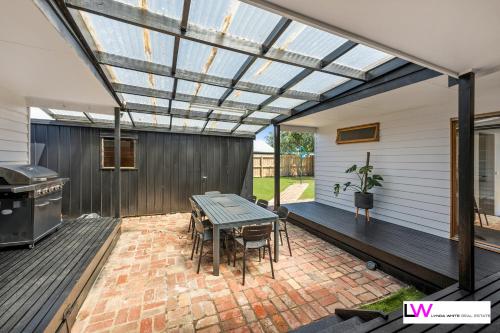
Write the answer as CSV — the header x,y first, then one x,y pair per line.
x,y
338,52
329,59
277,166
131,119
278,30
354,91
117,172
466,269
239,74
452,81
88,117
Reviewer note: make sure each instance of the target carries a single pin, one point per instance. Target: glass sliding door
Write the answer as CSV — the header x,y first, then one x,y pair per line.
x,y
486,181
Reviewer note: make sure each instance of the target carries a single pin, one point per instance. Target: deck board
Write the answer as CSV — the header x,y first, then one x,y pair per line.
x,y
411,250
35,284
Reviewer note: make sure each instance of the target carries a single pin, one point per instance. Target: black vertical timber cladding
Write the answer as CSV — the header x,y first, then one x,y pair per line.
x,y
170,168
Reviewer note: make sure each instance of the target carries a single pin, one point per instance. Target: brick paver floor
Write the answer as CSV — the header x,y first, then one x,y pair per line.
x,y
149,284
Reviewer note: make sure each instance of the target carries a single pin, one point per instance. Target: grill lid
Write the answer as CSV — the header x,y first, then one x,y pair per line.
x,y
22,174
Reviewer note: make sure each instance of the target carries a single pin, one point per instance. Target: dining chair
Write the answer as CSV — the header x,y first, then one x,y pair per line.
x,y
193,214
282,213
263,203
203,233
254,237
478,211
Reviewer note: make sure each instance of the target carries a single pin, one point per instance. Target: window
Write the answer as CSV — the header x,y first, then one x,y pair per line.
x,y
361,133
128,147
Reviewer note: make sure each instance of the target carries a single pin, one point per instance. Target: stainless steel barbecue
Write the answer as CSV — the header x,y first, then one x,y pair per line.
x,y
30,203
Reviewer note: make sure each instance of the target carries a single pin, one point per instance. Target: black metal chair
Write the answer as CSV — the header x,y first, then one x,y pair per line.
x,y
193,214
253,199
479,211
203,232
263,203
254,237
282,213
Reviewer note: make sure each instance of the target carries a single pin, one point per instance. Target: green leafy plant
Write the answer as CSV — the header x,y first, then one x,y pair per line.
x,y
367,180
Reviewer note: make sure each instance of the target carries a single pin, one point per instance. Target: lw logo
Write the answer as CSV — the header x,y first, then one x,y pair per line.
x,y
416,312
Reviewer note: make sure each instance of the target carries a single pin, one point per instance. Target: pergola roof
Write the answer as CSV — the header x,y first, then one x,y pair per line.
x,y
220,66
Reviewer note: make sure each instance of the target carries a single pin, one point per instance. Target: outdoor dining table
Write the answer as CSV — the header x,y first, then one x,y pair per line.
x,y
232,211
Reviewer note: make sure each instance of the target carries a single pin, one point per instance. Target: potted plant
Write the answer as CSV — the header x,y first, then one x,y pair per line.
x,y
362,197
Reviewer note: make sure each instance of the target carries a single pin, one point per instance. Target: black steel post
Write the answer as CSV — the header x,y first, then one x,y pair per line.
x,y
466,274
118,178
276,166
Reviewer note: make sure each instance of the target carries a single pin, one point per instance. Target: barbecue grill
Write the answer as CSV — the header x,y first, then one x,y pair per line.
x,y
30,203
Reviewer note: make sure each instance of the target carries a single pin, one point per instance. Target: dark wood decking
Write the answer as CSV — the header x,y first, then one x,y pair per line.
x,y
428,261
487,289
41,287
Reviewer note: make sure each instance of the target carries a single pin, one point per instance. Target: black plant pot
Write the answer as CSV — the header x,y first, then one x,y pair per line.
x,y
363,200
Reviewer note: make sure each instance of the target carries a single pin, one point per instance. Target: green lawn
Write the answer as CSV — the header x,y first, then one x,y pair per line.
x,y
263,188
395,301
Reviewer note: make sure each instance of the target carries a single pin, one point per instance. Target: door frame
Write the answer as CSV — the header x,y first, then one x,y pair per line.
x,y
454,181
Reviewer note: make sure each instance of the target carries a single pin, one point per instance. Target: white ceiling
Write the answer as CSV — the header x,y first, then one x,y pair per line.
x,y
40,65
457,35
433,92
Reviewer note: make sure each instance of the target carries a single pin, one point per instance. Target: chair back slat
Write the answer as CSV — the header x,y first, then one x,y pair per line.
x,y
198,225
282,212
257,232
193,204
263,203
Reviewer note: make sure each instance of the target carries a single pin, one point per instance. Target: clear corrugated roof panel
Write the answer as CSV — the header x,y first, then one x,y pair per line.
x,y
305,40
141,79
109,118
149,119
69,115
145,100
234,18
246,128
220,126
270,73
37,113
205,59
234,114
128,40
199,89
247,97
363,58
318,83
187,124
102,118
169,8
263,115
188,106
285,103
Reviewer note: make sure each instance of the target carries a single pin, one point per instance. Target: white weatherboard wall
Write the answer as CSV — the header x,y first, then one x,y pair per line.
x,y
14,128
413,156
